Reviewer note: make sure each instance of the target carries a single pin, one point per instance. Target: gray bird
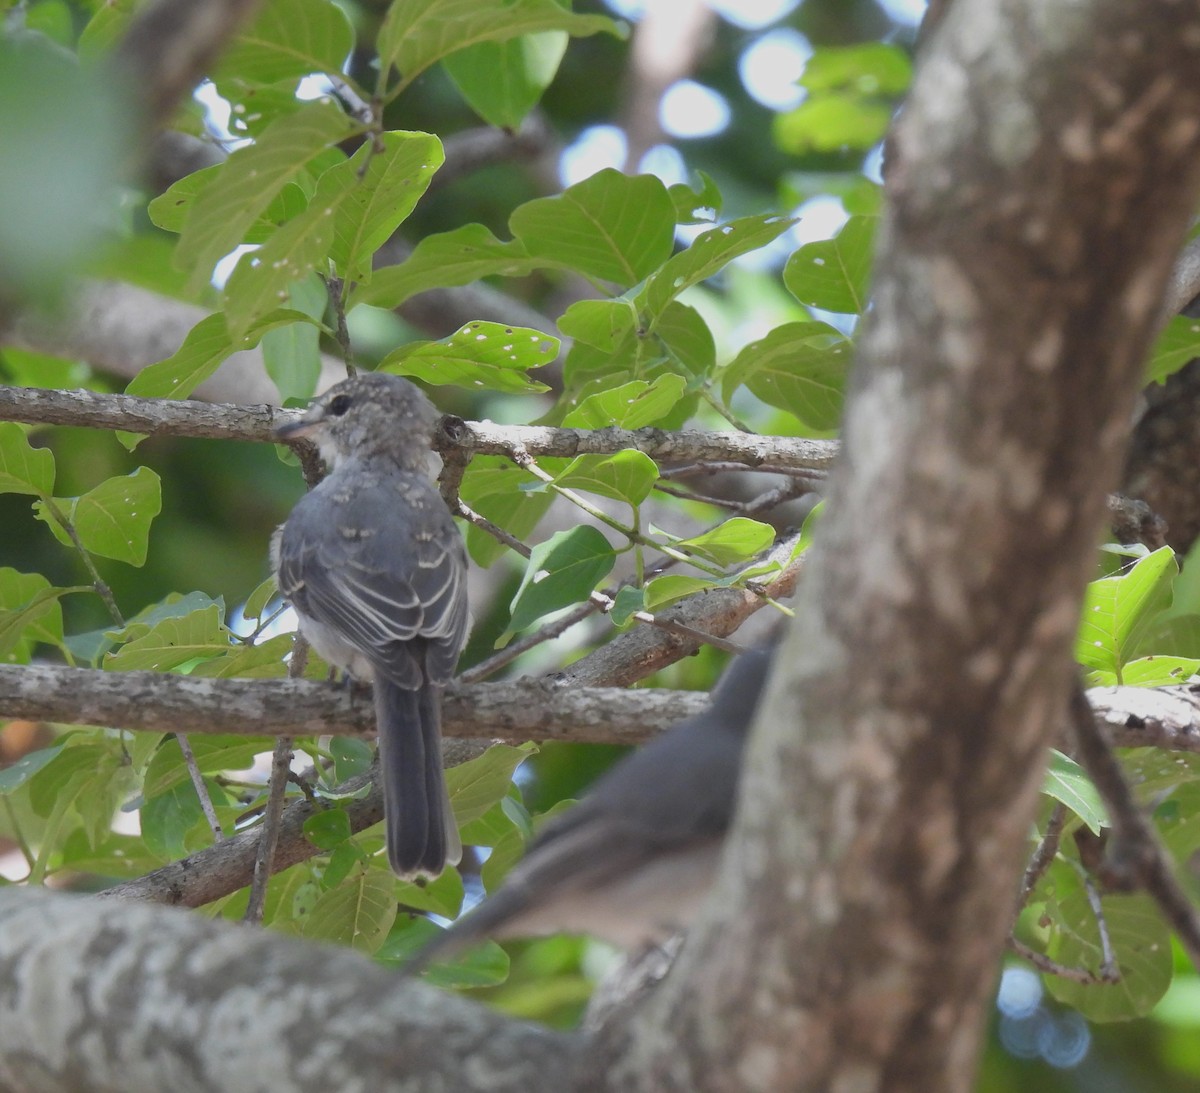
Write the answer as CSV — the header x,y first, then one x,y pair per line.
x,y
633,860
376,570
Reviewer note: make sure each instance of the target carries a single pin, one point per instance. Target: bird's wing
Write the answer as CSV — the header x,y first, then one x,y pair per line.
x,y
381,564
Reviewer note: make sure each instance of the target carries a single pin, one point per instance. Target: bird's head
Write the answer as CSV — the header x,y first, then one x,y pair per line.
x,y
373,414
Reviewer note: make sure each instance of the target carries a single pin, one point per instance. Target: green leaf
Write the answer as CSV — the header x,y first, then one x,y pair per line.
x,y
249,181
446,260
173,642
1151,671
167,818
872,68
1140,942
687,338
172,606
24,468
671,587
13,777
699,205
214,754
476,785
611,226
290,38
207,344
382,183
833,273
798,367
627,475
626,603
358,912
504,80
328,829
66,129
418,33
61,778
443,895
492,487
292,353
257,602
736,540
630,406
112,519
1118,610
561,571
350,757
29,612
1177,344
709,253
1066,782
480,355
603,324
832,121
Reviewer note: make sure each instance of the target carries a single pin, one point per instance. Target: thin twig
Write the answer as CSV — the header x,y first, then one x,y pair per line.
x,y
281,770
281,762
1109,972
193,769
98,582
1135,853
1044,855
1043,963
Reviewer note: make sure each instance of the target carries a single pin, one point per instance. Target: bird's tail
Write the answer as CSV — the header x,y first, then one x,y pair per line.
x,y
422,837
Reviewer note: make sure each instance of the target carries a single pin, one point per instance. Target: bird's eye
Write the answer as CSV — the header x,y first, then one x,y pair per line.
x,y
339,405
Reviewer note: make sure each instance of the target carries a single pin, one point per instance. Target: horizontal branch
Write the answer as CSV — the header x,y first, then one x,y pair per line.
x,y
526,709
558,708
182,417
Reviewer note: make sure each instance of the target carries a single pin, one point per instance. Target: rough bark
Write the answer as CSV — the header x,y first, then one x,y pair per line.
x,y
1043,173
111,997
526,709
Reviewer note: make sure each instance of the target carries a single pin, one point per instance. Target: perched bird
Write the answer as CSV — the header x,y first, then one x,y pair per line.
x,y
376,570
632,861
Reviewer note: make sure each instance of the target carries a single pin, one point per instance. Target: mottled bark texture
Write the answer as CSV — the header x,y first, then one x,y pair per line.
x,y
1163,468
133,999
1043,172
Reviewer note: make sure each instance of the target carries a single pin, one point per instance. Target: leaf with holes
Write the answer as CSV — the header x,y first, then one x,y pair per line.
x,y
1118,610
249,180
487,356
710,253
1067,783
633,405
1141,944
112,519
833,273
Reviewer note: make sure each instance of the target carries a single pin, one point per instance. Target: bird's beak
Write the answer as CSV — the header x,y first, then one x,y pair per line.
x,y
300,427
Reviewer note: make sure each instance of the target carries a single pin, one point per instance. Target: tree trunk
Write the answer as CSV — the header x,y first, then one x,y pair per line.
x,y
1040,180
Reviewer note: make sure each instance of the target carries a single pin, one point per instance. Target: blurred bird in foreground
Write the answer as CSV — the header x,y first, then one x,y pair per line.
x,y
633,860
376,570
